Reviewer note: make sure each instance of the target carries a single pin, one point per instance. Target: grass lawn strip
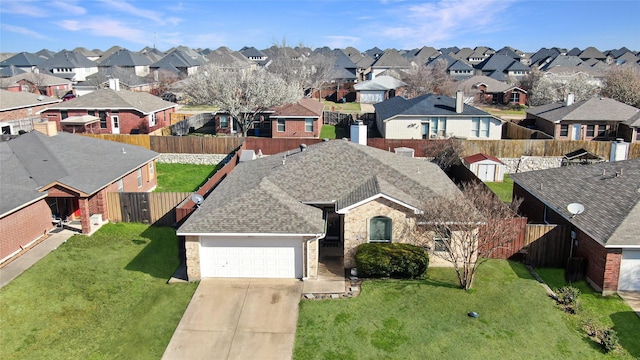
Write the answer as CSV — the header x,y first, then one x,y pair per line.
x,y
182,177
609,311
504,189
98,297
427,319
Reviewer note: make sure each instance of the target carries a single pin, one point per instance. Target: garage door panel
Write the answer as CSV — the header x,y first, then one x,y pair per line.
x,y
250,258
629,271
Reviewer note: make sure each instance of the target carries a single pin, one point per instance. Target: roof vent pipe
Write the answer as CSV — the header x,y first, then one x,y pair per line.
x,y
303,147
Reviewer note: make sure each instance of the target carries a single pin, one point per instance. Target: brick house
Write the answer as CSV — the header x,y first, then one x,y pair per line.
x,y
50,178
287,222
39,83
486,90
606,233
302,119
23,105
629,130
592,119
111,111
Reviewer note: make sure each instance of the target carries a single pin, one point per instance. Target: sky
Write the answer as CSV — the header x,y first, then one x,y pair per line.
x,y
526,25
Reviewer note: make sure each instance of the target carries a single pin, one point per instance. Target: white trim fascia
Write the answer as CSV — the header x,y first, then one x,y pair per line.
x,y
29,106
632,247
245,234
18,208
315,117
374,197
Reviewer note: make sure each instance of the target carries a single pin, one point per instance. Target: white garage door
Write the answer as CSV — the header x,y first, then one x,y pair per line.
x,y
629,270
371,97
251,258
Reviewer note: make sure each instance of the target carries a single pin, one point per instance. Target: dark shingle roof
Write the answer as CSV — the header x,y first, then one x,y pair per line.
x,y
427,105
10,70
612,203
391,58
23,59
68,59
125,58
593,109
267,196
78,162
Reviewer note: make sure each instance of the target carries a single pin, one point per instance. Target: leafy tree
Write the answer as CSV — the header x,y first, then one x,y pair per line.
x,y
623,84
242,94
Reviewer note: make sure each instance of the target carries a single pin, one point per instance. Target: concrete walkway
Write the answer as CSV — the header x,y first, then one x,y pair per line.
x,y
632,298
18,265
238,319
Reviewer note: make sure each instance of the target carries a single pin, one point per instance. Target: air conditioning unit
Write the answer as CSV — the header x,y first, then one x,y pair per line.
x,y
433,136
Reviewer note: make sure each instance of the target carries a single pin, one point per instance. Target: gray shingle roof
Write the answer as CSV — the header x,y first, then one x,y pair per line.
x,y
10,100
425,105
267,196
126,58
612,203
34,160
23,59
391,58
68,59
594,109
379,83
116,100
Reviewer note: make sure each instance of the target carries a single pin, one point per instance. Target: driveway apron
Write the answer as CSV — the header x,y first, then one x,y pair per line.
x,y
238,319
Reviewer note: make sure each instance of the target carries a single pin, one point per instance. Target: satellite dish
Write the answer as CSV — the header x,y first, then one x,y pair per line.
x,y
575,209
197,199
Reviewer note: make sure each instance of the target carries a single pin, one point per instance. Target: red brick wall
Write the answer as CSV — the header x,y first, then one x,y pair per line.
x,y
22,113
129,120
295,128
24,226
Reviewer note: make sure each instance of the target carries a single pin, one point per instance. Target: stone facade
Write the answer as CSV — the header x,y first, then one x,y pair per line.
x,y
192,249
197,159
311,252
356,225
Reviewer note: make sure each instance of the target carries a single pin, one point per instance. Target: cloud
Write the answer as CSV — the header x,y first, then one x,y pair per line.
x,y
24,31
129,9
69,7
437,22
341,42
24,8
117,29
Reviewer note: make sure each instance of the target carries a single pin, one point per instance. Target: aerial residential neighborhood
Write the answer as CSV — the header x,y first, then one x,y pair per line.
x,y
195,196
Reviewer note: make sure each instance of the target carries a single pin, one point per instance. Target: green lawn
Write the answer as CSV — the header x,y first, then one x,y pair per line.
x,y
349,107
333,132
504,189
182,177
610,311
427,319
98,297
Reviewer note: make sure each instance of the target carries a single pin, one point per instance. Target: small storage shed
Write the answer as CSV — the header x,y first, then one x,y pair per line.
x,y
485,167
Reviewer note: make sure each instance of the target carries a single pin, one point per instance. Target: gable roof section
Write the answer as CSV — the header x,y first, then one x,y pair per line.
x,y
10,100
23,59
68,59
586,110
425,105
142,102
124,57
10,70
17,189
481,157
303,109
382,82
612,203
40,79
268,196
391,58
80,163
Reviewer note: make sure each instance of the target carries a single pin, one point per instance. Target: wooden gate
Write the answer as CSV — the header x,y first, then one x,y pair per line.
x,y
547,245
146,208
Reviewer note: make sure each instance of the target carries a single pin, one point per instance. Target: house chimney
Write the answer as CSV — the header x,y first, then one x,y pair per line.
x,y
459,102
359,133
48,128
114,84
571,97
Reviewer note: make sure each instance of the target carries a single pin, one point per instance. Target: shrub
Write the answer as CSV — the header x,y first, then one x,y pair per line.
x,y
608,339
391,260
568,298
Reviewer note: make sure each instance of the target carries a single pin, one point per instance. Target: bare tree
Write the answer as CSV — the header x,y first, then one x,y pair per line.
x,y
445,153
547,90
287,63
466,228
623,84
240,93
320,70
163,79
430,79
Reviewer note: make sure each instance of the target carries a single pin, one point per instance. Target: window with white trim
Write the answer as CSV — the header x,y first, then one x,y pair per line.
x,y
564,130
280,125
442,240
308,125
380,229
152,120
515,97
224,122
438,126
151,170
120,185
139,177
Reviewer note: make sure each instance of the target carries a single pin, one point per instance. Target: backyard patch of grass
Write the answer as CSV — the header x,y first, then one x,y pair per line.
x,y
333,132
420,319
98,297
504,189
610,311
182,177
348,107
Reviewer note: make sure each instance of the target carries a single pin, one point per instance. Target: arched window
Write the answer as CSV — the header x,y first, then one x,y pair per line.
x,y
380,229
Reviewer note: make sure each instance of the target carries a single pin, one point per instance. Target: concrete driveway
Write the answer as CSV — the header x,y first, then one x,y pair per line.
x,y
238,319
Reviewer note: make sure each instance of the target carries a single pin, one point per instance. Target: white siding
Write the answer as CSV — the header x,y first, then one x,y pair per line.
x,y
409,127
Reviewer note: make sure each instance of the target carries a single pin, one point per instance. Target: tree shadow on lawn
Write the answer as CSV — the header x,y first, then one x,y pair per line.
x,y
627,326
159,256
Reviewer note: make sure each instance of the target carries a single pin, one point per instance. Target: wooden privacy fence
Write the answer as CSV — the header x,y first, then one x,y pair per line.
x,y
515,131
270,146
148,208
537,245
194,144
137,140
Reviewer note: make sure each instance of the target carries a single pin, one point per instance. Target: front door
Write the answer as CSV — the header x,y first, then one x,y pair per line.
x,y
575,135
425,130
115,124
